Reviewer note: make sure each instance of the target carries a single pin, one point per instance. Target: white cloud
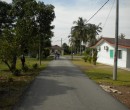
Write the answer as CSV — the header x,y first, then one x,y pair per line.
x,y
66,15
69,11
8,1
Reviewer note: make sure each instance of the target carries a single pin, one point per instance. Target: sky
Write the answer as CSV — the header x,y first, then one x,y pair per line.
x,y
68,11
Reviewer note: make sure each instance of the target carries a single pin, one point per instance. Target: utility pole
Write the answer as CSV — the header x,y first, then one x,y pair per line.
x,y
116,42
61,48
61,42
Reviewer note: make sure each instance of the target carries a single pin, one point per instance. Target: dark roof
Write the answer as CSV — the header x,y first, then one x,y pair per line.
x,y
56,47
124,43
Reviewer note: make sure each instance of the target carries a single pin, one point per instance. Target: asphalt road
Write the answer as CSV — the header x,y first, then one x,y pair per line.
x,y
62,86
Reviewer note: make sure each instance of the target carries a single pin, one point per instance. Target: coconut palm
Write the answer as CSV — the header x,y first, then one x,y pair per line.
x,y
94,30
80,31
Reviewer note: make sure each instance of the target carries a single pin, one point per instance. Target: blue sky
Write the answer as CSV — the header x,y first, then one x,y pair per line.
x,y
68,11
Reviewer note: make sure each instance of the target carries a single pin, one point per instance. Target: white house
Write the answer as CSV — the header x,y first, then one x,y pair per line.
x,y
106,47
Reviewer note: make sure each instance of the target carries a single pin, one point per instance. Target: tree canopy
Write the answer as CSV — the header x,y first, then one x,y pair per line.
x,y
24,25
84,32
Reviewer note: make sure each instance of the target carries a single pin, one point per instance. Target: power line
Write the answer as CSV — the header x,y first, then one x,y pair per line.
x,y
98,10
109,14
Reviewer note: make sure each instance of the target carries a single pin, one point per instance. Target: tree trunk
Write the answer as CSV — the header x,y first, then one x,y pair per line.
x,y
13,65
7,65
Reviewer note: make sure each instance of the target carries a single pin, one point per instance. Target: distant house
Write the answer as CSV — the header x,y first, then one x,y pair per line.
x,y
106,46
56,48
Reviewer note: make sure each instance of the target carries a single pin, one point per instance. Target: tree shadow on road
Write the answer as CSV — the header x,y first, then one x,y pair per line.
x,y
39,92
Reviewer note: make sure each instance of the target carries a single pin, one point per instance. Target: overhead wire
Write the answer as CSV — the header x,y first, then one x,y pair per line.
x,y
98,10
95,15
109,13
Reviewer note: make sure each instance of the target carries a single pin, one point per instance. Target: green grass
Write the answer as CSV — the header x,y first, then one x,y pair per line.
x,y
12,87
103,73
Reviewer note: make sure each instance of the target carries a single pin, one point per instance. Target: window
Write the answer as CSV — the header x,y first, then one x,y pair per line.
x,y
111,53
120,54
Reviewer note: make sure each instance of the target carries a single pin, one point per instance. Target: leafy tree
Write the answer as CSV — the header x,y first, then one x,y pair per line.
x,y
5,18
94,30
44,18
122,36
23,25
79,31
66,48
8,44
9,49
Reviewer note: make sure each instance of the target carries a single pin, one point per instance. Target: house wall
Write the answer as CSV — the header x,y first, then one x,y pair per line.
x,y
104,55
123,62
128,58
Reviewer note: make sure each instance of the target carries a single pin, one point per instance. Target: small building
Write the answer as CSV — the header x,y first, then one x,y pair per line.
x,y
56,48
106,48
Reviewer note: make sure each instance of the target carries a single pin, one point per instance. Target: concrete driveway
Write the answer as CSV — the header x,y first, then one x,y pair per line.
x,y
62,86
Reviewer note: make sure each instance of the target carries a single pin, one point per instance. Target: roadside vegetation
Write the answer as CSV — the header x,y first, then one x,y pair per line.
x,y
12,87
103,73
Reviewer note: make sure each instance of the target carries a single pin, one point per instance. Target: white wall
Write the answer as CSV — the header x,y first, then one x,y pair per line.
x,y
104,56
122,62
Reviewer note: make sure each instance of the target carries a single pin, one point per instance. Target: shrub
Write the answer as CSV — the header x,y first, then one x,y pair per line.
x,y
17,72
89,59
35,66
94,60
85,58
25,68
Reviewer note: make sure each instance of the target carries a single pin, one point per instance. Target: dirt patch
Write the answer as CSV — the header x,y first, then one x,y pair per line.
x,y
124,97
121,93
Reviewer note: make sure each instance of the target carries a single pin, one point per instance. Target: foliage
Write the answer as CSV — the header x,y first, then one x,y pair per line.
x,y
84,32
122,36
85,58
103,73
12,87
35,66
25,68
66,48
91,55
17,72
95,52
24,26
46,52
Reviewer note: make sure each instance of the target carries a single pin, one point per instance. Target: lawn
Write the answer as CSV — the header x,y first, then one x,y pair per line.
x,y
103,73
12,87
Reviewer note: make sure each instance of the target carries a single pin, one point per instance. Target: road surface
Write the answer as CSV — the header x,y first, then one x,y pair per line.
x,y
62,86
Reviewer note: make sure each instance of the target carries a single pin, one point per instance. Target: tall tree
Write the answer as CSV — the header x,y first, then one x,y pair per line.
x,y
79,31
20,27
44,18
122,36
5,18
94,30
8,44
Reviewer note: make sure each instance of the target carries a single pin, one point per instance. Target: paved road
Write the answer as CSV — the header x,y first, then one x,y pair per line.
x,y
64,87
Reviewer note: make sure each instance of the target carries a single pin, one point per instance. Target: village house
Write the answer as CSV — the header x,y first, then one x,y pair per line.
x,y
56,48
106,47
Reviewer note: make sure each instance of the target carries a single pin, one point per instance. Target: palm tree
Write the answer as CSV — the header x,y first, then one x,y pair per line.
x,y
94,30
80,31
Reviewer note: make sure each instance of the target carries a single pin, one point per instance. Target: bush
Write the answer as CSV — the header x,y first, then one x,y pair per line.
x,y
85,58
89,59
25,68
35,66
17,72
94,60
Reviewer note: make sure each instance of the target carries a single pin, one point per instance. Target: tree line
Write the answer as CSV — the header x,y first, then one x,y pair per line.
x,y
25,28
84,33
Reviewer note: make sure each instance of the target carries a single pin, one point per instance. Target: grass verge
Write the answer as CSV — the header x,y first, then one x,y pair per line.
x,y
103,73
12,87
